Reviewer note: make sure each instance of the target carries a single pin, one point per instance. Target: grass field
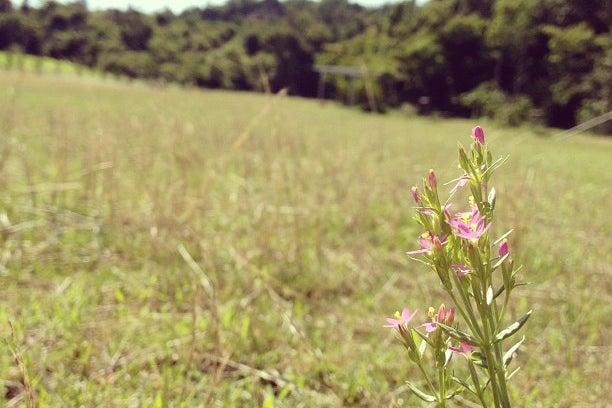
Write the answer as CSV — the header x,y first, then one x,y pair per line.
x,y
182,248
16,61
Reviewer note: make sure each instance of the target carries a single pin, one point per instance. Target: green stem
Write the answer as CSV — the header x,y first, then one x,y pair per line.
x,y
467,313
441,386
501,315
499,355
492,375
476,382
429,383
501,372
494,354
487,346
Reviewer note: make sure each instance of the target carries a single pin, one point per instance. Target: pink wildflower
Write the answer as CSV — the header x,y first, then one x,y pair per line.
x,y
450,316
415,195
464,348
461,181
503,248
478,135
400,320
431,179
442,316
431,326
436,243
428,242
462,270
447,214
469,225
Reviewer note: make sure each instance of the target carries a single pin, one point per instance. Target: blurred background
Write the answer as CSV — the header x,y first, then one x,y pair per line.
x,y
547,62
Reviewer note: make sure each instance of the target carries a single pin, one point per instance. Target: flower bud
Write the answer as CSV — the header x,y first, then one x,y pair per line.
x,y
436,244
447,214
503,248
464,161
431,179
441,316
415,195
450,317
478,135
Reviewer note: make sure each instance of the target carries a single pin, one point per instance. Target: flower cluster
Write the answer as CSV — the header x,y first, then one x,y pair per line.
x,y
458,249
440,317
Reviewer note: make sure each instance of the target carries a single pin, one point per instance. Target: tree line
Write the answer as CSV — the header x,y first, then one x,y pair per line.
x,y
546,61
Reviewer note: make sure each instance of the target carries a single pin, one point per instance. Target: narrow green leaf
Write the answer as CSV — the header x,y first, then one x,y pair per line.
x,y
424,337
479,359
491,198
448,354
500,261
481,363
500,239
459,335
495,165
452,394
513,328
422,395
421,345
510,353
512,373
499,292
464,384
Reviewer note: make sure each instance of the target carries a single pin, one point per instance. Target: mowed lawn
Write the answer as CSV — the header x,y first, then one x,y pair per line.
x,y
163,247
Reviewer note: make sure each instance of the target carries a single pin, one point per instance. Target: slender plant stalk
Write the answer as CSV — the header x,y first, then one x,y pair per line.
x,y
458,249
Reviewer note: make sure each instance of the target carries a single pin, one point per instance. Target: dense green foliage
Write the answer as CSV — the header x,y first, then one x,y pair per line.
x,y
513,60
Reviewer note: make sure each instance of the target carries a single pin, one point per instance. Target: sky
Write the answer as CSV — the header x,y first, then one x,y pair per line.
x,y
176,6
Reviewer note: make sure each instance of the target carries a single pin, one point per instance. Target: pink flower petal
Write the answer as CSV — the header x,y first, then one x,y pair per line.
x,y
415,195
425,242
462,181
462,270
430,327
403,320
392,322
503,248
464,348
431,179
478,135
406,316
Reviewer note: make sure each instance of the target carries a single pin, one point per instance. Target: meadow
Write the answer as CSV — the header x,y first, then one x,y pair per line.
x,y
167,247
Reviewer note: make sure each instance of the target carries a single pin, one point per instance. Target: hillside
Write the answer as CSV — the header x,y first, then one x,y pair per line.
x,y
545,62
